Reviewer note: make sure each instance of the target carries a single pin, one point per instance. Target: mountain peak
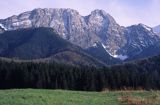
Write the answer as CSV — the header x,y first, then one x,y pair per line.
x,y
141,26
99,12
145,26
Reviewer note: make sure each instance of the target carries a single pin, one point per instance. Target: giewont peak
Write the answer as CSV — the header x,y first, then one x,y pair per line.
x,y
99,12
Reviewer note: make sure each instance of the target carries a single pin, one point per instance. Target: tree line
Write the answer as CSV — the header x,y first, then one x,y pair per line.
x,y
138,75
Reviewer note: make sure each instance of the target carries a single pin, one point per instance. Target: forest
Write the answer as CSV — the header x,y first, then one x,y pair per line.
x,y
143,74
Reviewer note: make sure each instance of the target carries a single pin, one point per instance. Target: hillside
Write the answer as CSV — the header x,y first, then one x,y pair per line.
x,y
44,45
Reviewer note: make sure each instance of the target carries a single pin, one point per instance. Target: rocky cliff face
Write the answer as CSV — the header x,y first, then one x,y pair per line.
x,y
139,38
85,31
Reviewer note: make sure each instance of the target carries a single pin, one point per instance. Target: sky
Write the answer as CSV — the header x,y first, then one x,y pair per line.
x,y
125,12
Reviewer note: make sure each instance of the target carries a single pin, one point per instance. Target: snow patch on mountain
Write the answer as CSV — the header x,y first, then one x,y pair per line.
x,y
121,57
94,45
2,26
24,22
106,49
146,27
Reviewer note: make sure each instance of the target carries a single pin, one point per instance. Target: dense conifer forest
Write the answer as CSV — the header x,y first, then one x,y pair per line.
x,y
142,74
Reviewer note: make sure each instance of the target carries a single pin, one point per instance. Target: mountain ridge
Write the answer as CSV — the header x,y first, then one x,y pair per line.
x,y
84,31
42,44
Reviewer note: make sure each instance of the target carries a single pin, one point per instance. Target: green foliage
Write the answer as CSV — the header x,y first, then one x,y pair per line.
x,y
55,97
137,75
60,97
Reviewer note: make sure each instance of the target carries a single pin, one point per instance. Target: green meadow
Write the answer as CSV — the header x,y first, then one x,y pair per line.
x,y
63,97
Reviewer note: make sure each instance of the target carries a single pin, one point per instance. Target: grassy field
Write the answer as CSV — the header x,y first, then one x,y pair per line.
x,y
61,97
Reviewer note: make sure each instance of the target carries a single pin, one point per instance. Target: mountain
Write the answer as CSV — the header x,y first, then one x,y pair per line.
x,y
140,38
115,42
83,31
157,29
42,44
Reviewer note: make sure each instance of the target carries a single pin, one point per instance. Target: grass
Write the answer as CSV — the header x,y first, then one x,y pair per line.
x,y
61,97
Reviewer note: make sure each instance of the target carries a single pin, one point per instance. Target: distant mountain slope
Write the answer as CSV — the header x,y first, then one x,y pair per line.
x,y
141,42
150,64
42,44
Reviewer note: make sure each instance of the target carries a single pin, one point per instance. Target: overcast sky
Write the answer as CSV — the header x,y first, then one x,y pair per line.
x,y
125,12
